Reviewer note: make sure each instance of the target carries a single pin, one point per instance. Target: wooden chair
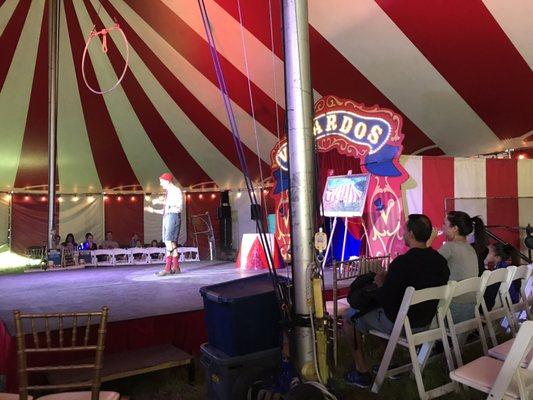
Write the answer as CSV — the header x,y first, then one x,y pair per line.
x,y
472,285
102,257
156,254
121,256
66,342
436,331
139,255
501,352
187,254
523,273
502,379
504,277
344,271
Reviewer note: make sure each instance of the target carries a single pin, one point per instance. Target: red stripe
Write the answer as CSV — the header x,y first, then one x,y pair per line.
x,y
112,166
256,19
33,162
437,185
124,217
175,156
502,182
468,47
340,77
206,122
196,50
29,222
10,38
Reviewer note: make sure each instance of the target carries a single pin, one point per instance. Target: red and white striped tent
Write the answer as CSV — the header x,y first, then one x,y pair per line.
x,y
460,74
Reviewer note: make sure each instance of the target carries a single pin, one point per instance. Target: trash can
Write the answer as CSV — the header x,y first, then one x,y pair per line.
x,y
229,378
242,316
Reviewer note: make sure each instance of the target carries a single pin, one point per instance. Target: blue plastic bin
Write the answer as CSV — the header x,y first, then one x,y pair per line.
x,y
242,316
228,378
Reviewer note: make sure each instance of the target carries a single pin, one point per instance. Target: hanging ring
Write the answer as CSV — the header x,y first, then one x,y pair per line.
x,y
104,33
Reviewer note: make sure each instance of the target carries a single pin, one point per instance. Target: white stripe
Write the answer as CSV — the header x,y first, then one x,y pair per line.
x,y
200,87
371,41
81,217
525,195
74,152
227,33
15,94
514,17
412,190
142,156
470,182
210,159
6,11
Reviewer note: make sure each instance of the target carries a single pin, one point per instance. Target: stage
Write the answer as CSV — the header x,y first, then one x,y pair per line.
x,y
144,310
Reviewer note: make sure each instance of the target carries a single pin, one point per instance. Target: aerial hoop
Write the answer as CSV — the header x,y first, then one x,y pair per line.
x,y
104,33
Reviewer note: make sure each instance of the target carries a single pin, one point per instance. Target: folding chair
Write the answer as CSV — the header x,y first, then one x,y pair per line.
x,y
502,379
72,341
139,255
436,331
501,310
121,256
472,285
501,352
523,273
102,257
156,254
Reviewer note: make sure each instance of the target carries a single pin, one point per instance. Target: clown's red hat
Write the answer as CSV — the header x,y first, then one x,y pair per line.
x,y
167,176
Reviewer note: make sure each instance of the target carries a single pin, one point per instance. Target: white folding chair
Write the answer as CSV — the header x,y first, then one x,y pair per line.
x,y
121,256
158,252
504,277
523,273
502,379
436,331
139,255
501,351
472,285
188,254
102,257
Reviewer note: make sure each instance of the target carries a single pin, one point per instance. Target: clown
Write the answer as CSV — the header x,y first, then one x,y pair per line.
x,y
171,223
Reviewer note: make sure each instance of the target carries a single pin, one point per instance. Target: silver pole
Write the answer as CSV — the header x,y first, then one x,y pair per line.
x,y
53,73
300,139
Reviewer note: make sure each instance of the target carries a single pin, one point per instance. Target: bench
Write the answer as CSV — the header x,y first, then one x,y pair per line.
x,y
130,363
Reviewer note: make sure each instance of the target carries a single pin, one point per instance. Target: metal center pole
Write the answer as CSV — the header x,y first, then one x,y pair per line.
x,y
300,140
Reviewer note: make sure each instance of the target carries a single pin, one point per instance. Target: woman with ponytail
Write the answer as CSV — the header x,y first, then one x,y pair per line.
x,y
462,257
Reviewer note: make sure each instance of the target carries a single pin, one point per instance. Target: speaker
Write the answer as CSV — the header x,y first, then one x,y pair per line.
x,y
224,212
224,197
226,241
255,211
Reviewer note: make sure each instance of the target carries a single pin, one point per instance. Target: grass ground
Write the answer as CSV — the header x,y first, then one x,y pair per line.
x,y
172,384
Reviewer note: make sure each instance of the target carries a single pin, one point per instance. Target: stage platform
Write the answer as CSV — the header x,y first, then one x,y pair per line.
x,y
144,309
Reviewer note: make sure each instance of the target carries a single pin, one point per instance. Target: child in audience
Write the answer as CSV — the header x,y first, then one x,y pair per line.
x,y
498,257
89,242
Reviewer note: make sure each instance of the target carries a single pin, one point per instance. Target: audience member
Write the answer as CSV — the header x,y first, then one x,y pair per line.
x,y
89,242
462,257
154,243
69,249
109,243
56,243
420,267
498,257
70,242
134,239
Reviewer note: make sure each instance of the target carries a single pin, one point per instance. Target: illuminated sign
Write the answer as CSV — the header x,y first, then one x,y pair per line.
x,y
371,132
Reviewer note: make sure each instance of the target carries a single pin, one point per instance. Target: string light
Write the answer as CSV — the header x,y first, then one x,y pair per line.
x,y
239,194
200,196
188,196
60,199
521,156
132,198
26,198
265,191
43,198
106,197
148,198
119,198
90,199
213,196
75,198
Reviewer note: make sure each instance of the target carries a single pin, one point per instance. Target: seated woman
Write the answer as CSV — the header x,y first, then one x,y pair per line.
x,y
69,251
89,242
462,257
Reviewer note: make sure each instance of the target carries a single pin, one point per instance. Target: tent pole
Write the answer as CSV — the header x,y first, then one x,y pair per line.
x,y
53,72
300,141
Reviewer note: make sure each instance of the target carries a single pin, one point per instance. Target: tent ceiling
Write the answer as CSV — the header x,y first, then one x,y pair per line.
x,y
459,72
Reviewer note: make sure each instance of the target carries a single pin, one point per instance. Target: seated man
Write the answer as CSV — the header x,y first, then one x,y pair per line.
x,y
109,243
420,267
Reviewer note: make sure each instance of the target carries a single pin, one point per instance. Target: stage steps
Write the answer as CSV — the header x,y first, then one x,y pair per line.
x,y
129,363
